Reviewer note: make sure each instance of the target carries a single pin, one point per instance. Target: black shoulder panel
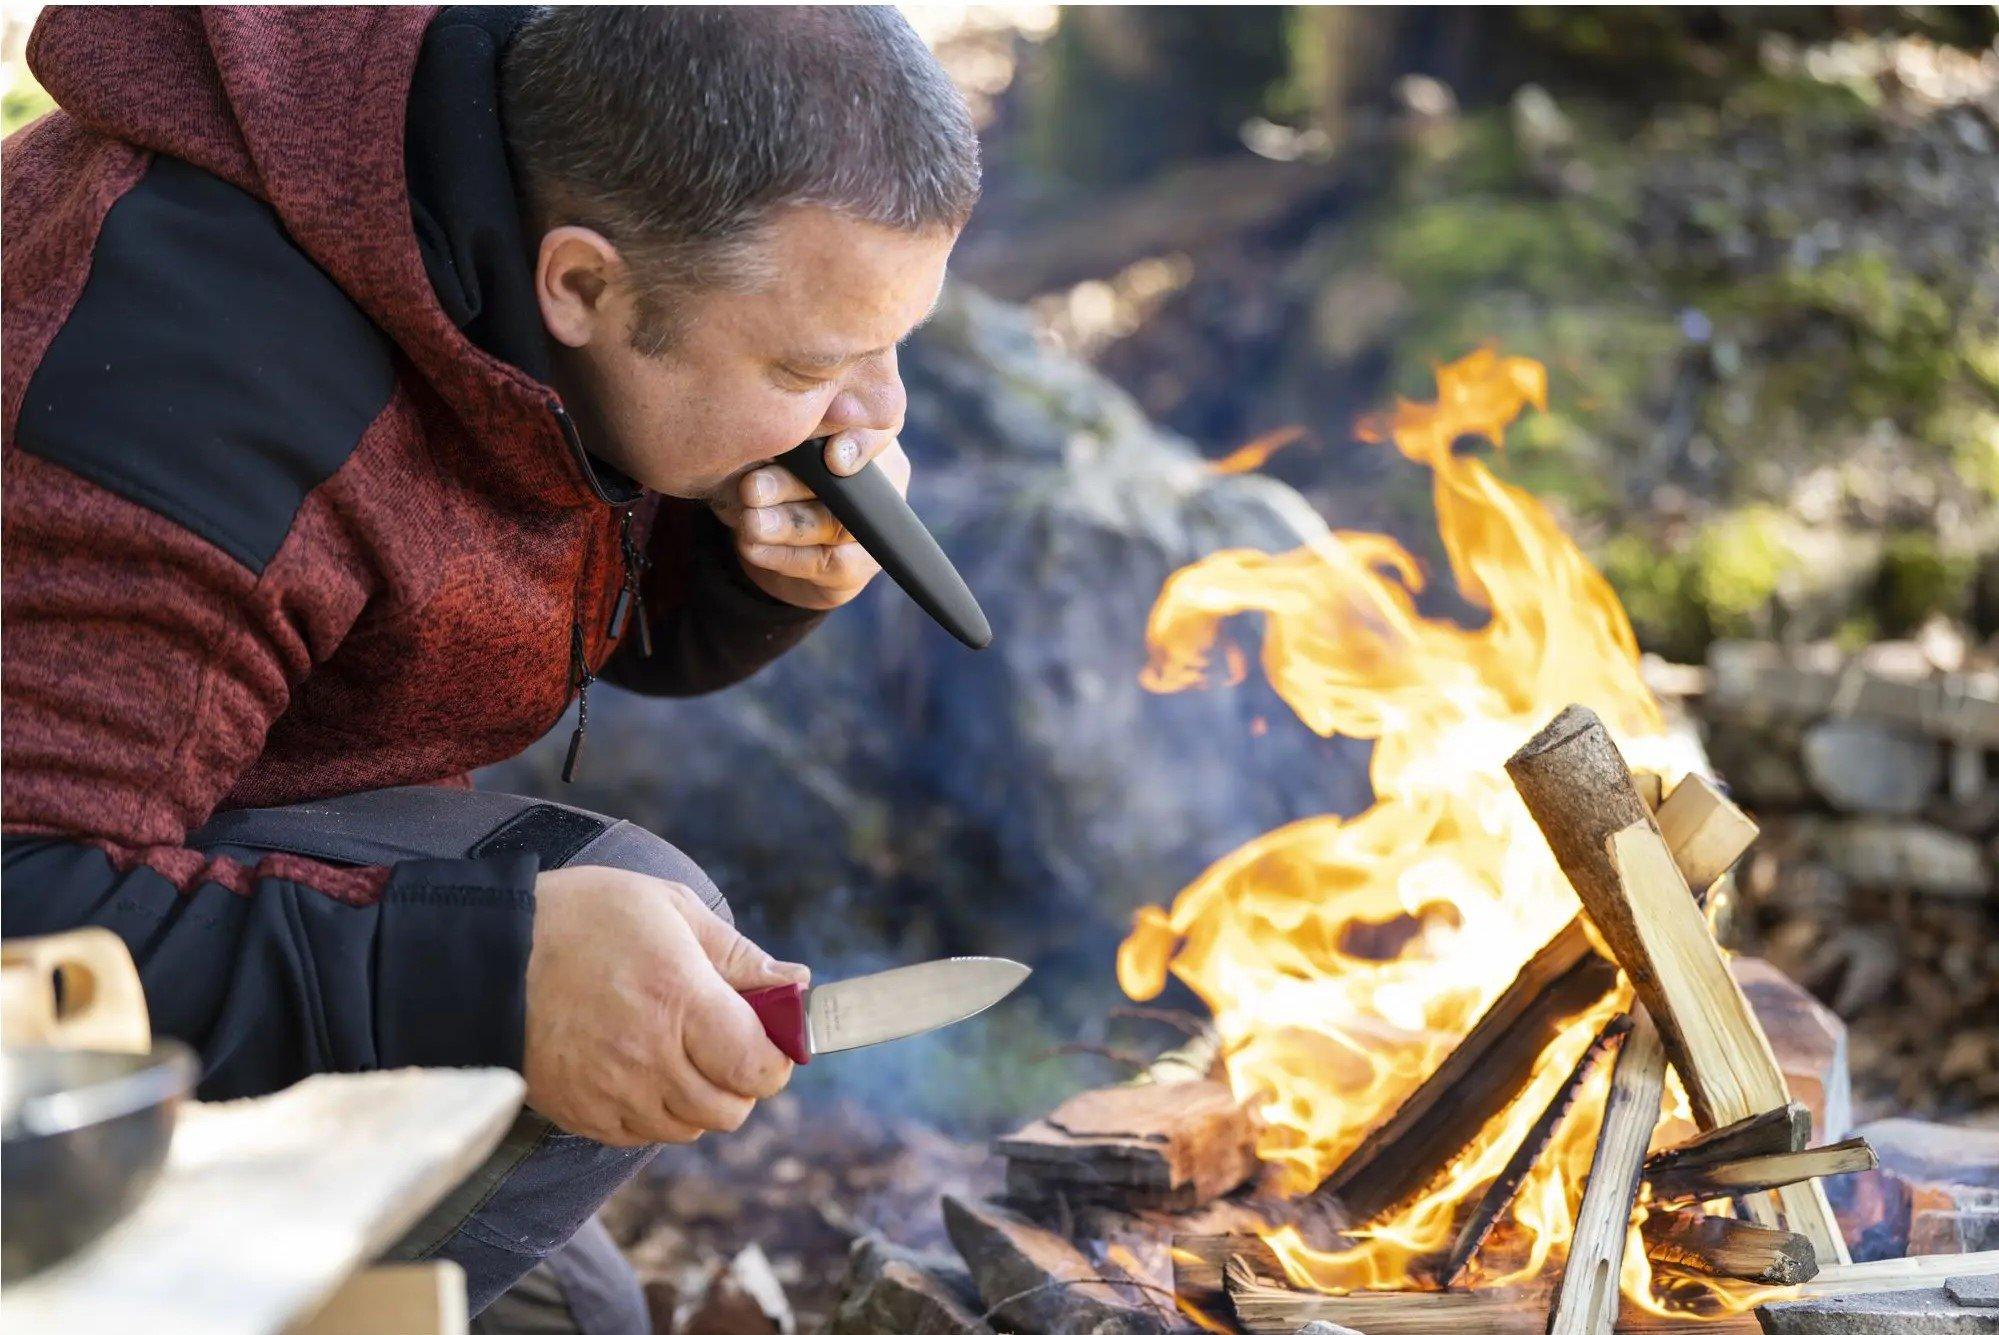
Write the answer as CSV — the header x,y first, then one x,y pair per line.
x,y
210,372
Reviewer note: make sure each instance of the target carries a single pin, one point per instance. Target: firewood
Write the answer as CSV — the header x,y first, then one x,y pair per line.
x,y
1577,788
1653,926
1900,1272
1165,1146
1778,1131
1498,1195
1032,1279
1263,1307
1491,1065
1761,1172
1482,1074
1707,1244
1587,1302
1200,1269
1705,830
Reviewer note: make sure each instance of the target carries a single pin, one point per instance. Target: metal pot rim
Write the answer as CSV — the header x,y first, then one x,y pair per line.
x,y
170,1073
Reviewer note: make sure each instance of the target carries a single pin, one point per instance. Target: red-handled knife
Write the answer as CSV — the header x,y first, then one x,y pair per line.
x,y
880,1007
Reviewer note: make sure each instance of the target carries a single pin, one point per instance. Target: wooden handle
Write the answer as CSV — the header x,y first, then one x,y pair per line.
x,y
101,1006
782,1010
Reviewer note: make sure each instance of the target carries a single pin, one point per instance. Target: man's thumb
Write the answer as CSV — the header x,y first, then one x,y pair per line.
x,y
743,964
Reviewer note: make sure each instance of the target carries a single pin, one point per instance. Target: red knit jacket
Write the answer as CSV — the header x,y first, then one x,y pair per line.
x,y
277,528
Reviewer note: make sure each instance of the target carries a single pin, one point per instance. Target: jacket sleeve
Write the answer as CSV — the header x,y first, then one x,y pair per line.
x,y
711,626
144,667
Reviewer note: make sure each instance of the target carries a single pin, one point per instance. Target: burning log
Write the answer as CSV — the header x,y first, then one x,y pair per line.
x,y
1588,1299
1778,1131
1498,1195
1159,1146
1706,1244
1200,1269
1658,935
1494,1062
1577,788
1761,1172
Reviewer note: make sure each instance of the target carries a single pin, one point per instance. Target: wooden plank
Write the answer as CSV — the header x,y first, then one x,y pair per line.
x,y
1901,1272
1587,1301
1655,929
266,1205
1266,1308
1707,1244
1489,1067
1498,1194
1777,1131
421,1298
1761,1172
1200,1268
1707,833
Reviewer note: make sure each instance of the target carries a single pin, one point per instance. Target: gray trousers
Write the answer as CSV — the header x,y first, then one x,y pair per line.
x,y
526,1217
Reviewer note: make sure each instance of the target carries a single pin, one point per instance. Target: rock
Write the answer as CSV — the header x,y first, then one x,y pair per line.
x,y
891,1290
1884,854
1909,1312
1325,1328
744,1299
1973,1290
1936,1191
1863,765
1810,1043
1023,800
1036,1282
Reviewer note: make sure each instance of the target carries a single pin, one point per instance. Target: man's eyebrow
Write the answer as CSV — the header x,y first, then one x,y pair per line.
x,y
829,361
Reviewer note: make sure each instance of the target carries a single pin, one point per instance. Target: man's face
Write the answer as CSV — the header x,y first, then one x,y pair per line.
x,y
810,352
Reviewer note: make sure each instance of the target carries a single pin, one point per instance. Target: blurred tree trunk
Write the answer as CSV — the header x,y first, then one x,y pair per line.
x,y
1124,91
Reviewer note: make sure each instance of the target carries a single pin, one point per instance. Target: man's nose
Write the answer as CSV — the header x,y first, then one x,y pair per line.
x,y
873,400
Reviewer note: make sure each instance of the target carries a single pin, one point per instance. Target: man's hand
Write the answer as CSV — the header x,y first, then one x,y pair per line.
x,y
790,544
635,1029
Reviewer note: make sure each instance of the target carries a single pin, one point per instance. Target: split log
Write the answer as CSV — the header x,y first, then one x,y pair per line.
x,y
1587,1301
1657,933
893,1288
1034,1280
1761,1172
1491,1065
1200,1269
1498,1195
1578,790
1778,1131
1705,830
1901,1272
1707,1244
1266,1308
1480,1076
1146,1146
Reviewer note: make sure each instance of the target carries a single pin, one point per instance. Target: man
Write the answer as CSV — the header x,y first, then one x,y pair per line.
x,y
374,381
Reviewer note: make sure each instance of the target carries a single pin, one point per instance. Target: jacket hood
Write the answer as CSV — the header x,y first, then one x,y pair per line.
x,y
309,110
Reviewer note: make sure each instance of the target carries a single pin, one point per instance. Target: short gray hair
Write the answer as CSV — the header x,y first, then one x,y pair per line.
x,y
676,131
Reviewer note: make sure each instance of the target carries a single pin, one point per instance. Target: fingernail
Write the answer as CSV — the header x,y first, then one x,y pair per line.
x,y
761,487
761,523
849,453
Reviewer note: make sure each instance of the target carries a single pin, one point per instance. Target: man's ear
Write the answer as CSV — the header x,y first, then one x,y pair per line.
x,y
575,283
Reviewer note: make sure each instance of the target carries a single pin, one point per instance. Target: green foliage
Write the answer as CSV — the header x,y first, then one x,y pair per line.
x,y
24,102
1917,580
1720,582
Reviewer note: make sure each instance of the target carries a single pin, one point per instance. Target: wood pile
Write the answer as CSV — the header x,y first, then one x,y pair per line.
x,y
1876,882
1139,1208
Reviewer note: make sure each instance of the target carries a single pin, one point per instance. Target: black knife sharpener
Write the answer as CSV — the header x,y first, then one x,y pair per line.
x,y
881,521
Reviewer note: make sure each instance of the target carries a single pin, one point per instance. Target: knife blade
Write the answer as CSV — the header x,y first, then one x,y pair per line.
x,y
881,1007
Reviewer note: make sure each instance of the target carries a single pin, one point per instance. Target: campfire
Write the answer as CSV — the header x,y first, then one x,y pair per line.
x,y
1433,1093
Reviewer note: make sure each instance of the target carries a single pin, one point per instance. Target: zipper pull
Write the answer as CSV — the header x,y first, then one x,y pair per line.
x,y
580,678
631,595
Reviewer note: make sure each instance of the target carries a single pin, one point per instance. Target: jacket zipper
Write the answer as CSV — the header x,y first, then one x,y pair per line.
x,y
631,594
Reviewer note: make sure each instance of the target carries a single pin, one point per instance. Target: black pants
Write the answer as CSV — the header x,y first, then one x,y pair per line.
x,y
532,1205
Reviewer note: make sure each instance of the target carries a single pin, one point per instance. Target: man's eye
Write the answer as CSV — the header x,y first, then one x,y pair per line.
x,y
800,383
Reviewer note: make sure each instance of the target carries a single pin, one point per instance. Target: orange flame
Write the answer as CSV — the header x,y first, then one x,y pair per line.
x,y
1248,458
1321,1032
